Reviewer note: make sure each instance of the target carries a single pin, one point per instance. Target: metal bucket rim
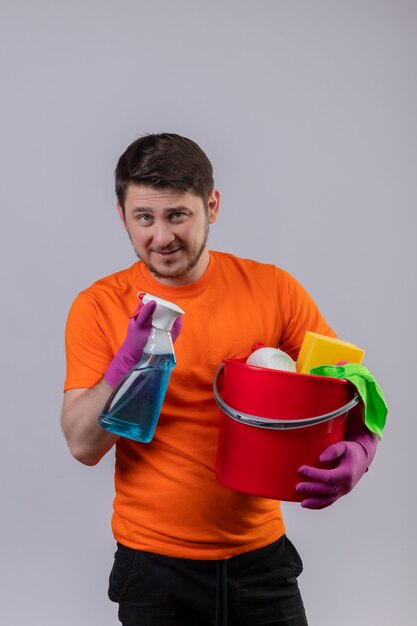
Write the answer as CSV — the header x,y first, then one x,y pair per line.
x,y
277,424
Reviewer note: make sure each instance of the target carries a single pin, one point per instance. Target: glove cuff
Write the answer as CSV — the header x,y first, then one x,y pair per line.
x,y
369,442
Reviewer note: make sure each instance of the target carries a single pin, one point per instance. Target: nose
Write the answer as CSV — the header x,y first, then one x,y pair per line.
x,y
162,235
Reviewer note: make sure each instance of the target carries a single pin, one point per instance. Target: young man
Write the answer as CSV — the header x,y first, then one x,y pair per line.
x,y
189,550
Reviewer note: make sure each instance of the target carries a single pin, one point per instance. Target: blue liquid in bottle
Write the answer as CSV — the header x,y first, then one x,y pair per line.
x,y
133,408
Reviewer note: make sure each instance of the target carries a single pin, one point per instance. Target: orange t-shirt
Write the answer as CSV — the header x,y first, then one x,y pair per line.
x,y
167,498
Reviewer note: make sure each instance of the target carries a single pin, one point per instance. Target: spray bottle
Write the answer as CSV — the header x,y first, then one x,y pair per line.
x,y
133,408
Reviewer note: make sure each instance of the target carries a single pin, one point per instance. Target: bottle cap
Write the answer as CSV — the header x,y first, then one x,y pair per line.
x,y
165,313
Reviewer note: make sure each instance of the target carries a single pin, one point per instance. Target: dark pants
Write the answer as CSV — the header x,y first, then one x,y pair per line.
x,y
257,588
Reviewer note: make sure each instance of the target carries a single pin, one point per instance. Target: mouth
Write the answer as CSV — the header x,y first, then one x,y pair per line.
x,y
166,254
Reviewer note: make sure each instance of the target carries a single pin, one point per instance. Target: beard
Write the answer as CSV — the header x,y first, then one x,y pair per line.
x,y
193,257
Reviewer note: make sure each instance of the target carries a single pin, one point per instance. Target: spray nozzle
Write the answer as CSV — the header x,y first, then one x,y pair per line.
x,y
165,313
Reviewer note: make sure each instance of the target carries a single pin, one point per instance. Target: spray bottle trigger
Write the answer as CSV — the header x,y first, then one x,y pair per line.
x,y
140,306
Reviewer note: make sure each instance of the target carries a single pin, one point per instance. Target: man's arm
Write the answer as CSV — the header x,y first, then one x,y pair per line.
x,y
81,408
87,441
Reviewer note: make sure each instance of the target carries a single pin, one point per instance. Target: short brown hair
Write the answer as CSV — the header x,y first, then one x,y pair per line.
x,y
164,160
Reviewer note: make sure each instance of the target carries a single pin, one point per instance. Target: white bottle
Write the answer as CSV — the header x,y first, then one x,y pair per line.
x,y
272,358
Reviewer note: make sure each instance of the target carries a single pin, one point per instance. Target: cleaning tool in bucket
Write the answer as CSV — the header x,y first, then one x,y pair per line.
x,y
319,349
272,422
375,409
133,408
274,358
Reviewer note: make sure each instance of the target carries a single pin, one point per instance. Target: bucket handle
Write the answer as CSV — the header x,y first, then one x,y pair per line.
x,y
277,424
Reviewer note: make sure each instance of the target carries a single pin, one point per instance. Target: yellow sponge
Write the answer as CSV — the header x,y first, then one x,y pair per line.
x,y
319,349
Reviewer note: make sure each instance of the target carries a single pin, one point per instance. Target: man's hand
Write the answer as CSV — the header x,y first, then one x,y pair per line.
x,y
352,458
131,350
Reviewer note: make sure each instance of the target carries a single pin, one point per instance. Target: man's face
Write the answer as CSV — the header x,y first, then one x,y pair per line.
x,y
168,230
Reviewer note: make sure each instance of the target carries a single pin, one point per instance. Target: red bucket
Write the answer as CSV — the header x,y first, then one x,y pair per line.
x,y
272,422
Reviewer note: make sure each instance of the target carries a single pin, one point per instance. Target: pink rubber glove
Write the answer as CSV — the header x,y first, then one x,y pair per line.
x,y
352,458
131,350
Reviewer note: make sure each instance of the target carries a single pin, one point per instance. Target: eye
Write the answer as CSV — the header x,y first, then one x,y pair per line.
x,y
144,218
177,216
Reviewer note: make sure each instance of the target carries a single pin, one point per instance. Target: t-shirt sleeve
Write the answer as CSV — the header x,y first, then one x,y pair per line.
x,y
88,352
299,313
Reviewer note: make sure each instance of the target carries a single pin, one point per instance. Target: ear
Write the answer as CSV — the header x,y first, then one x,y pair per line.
x,y
213,206
120,211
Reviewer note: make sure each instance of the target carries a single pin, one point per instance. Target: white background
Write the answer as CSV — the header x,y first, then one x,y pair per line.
x,y
307,110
